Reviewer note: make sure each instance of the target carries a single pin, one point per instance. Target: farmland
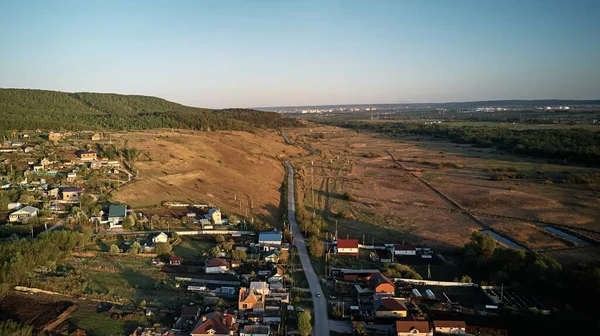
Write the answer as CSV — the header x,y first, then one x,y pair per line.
x,y
356,182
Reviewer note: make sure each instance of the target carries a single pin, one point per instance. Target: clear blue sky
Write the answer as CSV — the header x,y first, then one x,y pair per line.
x,y
271,53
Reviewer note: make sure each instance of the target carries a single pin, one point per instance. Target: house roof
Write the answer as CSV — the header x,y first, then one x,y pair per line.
x,y
72,189
272,253
347,243
270,236
161,234
389,304
407,326
378,279
26,210
189,311
217,262
117,210
175,258
449,324
221,323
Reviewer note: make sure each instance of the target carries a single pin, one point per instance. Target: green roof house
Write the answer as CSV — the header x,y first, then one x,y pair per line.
x,y
116,215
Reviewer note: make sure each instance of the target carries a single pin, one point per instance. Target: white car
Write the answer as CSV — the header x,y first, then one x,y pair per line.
x,y
319,295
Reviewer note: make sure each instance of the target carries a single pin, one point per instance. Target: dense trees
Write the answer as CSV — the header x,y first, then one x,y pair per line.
x,y
20,259
31,109
401,271
238,255
12,328
315,246
163,248
481,244
575,145
304,323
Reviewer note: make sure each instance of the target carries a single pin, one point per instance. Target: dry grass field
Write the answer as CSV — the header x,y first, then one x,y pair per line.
x,y
209,168
393,205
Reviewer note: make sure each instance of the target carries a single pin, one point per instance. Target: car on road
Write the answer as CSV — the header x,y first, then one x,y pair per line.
x,y
319,295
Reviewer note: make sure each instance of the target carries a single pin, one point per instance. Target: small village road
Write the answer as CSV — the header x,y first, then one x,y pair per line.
x,y
321,319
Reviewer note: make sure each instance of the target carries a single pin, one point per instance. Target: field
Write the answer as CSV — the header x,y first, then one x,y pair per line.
x,y
356,182
36,311
238,172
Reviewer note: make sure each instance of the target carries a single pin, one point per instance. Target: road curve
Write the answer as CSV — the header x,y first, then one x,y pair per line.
x,y
321,319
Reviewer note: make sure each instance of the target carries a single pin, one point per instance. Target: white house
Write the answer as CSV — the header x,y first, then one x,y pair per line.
x,y
450,327
216,265
160,238
24,214
214,215
116,215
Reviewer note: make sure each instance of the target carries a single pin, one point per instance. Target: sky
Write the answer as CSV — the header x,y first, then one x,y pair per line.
x,y
286,53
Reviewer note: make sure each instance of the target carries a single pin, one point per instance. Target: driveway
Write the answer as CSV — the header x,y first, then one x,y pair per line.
x,y
321,319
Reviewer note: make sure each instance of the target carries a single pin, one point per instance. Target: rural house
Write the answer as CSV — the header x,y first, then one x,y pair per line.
x,y
216,265
24,214
255,330
450,327
71,176
214,215
53,136
71,194
347,247
95,137
249,299
413,328
175,260
215,324
390,307
116,215
270,240
272,256
381,284
160,238
86,155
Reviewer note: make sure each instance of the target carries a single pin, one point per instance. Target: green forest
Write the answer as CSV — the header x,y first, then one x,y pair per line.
x,y
568,145
31,109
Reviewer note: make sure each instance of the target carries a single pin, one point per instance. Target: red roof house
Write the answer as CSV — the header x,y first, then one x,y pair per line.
x,y
347,247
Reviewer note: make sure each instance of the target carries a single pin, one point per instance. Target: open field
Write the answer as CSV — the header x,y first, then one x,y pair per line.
x,y
36,311
356,182
209,168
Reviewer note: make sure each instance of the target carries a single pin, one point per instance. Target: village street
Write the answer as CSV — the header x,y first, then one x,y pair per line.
x,y
321,321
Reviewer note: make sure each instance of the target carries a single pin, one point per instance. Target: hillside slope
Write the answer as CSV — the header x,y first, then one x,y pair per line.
x,y
30,109
210,168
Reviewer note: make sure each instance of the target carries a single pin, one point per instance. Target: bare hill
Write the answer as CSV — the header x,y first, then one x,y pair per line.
x,y
210,168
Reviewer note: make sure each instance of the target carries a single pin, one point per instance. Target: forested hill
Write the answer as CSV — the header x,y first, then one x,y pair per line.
x,y
31,109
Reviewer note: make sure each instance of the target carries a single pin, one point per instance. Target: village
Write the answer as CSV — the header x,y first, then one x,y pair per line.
x,y
237,278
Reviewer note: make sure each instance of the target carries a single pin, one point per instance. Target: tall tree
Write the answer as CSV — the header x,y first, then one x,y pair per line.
x,y
304,323
315,246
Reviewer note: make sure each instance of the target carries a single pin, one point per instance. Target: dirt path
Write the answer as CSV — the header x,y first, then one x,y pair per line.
x,y
61,318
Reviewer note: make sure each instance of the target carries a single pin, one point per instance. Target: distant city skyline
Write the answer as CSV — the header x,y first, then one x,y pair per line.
x,y
305,53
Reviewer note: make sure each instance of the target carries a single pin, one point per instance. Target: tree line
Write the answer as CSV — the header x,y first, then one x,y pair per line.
x,y
32,109
568,145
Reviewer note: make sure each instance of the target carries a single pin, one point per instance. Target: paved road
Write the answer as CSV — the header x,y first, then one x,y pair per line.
x,y
321,320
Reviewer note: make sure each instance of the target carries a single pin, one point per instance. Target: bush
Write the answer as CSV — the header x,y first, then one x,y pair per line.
x,y
114,249
350,197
